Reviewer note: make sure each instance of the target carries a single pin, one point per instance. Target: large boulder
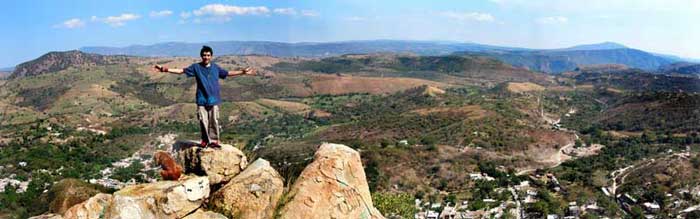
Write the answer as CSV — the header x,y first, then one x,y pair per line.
x,y
201,214
93,208
254,193
163,199
332,186
68,192
219,164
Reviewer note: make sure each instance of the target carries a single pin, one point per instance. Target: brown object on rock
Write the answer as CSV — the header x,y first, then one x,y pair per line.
x,y
170,169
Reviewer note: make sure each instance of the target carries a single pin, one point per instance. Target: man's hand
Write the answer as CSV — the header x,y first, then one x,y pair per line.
x,y
161,68
249,71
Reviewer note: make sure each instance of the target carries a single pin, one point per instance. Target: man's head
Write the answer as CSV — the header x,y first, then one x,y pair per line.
x,y
206,53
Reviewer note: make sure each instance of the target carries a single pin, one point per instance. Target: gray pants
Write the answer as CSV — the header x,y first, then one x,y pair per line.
x,y
209,123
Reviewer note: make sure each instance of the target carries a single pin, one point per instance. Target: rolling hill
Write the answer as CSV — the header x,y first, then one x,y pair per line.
x,y
542,60
558,61
683,68
450,69
56,61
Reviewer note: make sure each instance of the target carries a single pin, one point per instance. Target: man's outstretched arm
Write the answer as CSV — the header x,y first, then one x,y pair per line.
x,y
168,70
245,71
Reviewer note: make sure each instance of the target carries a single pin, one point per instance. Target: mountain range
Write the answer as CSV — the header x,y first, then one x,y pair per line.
x,y
303,49
542,60
557,61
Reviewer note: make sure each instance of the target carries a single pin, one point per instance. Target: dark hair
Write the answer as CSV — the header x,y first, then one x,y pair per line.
x,y
205,49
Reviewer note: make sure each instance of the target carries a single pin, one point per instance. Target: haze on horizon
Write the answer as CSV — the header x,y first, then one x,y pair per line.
x,y
33,28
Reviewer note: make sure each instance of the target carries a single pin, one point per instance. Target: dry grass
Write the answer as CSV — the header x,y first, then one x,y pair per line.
x,y
288,106
91,104
624,134
523,87
433,91
468,112
336,85
12,114
585,86
560,88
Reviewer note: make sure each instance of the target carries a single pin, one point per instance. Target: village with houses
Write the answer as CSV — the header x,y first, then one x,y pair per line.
x,y
524,197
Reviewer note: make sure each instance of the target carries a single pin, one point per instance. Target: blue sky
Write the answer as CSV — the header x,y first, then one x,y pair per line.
x,y
32,28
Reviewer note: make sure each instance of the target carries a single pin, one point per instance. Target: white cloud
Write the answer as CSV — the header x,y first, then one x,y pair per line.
x,y
285,11
309,13
162,13
228,10
116,21
185,15
294,12
553,20
71,24
469,16
222,12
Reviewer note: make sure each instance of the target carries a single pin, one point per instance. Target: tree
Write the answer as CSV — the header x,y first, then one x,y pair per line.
x,y
637,212
649,137
540,207
428,140
398,204
599,178
477,205
385,143
695,161
451,198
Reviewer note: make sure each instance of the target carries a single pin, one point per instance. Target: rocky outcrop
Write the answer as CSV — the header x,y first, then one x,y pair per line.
x,y
332,186
94,207
218,164
254,193
69,192
164,199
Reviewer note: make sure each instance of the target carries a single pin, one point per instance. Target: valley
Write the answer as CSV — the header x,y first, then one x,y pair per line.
x,y
458,130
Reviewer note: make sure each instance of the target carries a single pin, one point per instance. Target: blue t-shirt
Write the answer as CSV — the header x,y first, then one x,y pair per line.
x,y
207,82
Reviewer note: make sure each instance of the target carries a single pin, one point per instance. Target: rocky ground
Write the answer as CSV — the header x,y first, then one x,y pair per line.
x,y
220,183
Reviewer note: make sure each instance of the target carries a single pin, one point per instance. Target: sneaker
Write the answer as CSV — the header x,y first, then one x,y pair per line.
x,y
203,144
214,145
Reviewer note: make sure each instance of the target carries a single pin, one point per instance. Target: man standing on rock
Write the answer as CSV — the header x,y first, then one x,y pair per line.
x,y
208,98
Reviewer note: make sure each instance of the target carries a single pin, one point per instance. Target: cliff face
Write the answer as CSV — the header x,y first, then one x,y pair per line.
x,y
332,186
